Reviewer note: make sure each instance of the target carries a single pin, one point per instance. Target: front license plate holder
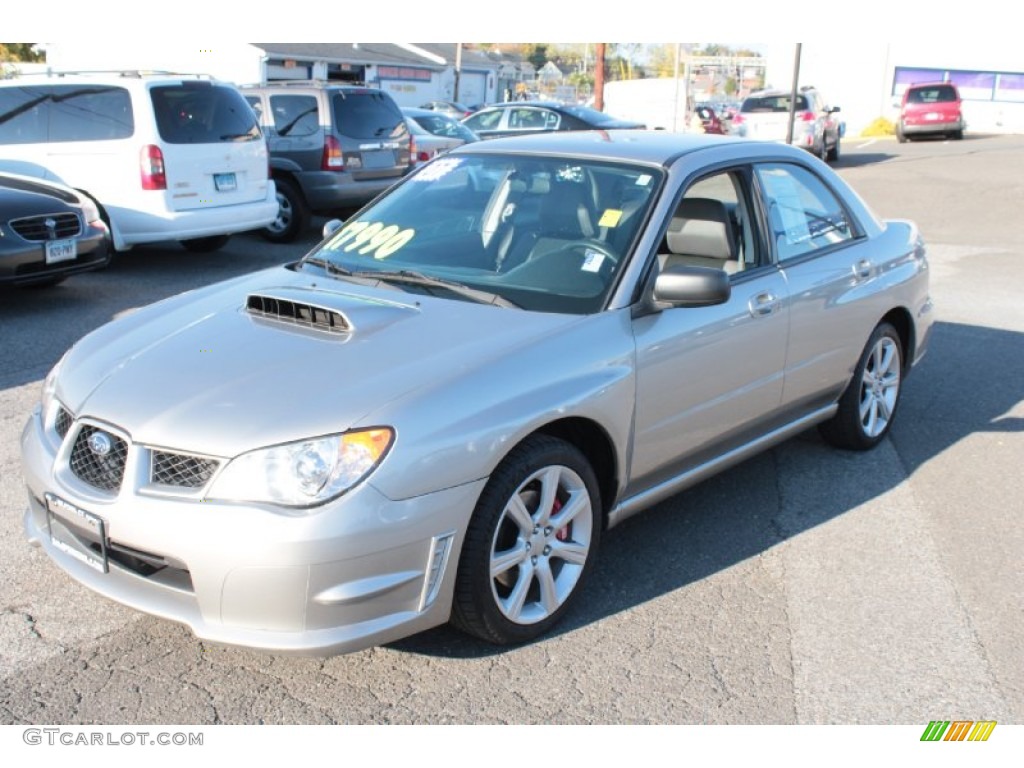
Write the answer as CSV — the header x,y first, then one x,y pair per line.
x,y
225,182
84,527
60,250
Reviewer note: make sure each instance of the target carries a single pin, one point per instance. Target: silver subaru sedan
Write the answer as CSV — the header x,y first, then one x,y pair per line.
x,y
437,414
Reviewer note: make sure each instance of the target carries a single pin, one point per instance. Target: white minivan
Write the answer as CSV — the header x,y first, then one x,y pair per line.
x,y
165,156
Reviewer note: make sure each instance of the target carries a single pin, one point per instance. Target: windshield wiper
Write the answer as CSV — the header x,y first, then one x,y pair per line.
x,y
418,278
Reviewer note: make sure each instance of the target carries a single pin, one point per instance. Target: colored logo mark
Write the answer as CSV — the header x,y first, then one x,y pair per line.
x,y
958,730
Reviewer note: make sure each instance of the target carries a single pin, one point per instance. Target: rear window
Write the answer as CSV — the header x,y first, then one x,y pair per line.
x,y
42,113
367,115
932,95
202,113
779,103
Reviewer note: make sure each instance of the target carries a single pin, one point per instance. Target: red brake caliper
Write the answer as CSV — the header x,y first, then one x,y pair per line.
x,y
562,534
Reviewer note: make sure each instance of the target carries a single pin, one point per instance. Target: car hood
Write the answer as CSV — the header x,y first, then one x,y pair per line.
x,y
22,196
202,373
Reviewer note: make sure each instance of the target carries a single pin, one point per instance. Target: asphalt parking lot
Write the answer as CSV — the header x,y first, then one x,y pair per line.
x,y
804,586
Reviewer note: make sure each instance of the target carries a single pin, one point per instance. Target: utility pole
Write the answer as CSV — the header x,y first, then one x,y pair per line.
x,y
458,69
599,76
793,93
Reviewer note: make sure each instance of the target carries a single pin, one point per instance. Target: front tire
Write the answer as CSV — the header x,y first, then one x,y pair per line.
x,y
868,406
531,543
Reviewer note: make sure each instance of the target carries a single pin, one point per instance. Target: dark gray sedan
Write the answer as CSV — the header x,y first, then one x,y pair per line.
x,y
47,232
438,413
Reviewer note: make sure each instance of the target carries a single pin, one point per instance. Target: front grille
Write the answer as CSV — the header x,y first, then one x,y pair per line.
x,y
63,423
298,313
182,471
52,227
100,470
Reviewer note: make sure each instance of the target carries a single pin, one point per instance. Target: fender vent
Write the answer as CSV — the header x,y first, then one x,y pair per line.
x,y
298,313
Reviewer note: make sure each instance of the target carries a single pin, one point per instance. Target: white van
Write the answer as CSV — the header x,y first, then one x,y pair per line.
x,y
165,156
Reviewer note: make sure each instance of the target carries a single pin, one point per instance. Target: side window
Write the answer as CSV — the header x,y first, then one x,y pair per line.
x,y
294,115
23,115
804,215
91,113
712,226
484,121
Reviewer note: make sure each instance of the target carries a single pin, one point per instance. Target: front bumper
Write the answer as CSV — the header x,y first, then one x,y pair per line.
x,y
23,262
362,571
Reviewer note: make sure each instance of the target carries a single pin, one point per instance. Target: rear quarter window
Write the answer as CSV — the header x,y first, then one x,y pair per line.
x,y
65,113
202,113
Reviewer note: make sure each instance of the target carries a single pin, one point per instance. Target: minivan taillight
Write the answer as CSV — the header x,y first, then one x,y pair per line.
x,y
151,165
737,119
807,117
332,159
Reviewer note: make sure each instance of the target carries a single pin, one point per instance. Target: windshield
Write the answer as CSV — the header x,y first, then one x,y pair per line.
x,y
545,234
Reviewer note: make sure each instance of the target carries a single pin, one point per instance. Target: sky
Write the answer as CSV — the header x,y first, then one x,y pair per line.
x,y
566,21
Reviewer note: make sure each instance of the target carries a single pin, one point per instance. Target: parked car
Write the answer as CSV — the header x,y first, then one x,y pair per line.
x,y
524,117
709,120
451,108
764,115
164,157
438,413
432,134
930,109
47,232
332,146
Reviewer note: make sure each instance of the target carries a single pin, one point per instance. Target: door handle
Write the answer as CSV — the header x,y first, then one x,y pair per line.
x,y
862,269
763,304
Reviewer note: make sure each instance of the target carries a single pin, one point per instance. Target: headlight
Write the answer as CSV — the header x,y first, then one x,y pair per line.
x,y
46,398
304,473
90,210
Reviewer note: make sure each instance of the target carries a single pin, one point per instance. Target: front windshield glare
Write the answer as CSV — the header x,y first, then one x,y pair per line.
x,y
546,234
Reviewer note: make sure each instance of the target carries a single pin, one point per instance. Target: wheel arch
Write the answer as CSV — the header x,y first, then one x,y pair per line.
x,y
900,319
594,442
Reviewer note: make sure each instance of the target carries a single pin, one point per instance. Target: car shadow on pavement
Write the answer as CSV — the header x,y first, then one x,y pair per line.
x,y
803,483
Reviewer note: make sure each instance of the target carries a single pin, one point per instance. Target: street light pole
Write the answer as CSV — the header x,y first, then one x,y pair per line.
x,y
793,93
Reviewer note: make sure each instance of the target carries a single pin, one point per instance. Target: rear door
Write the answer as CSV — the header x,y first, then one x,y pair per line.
x,y
214,153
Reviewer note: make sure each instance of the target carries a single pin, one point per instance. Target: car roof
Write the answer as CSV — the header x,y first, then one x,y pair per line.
x,y
548,104
419,112
648,147
119,77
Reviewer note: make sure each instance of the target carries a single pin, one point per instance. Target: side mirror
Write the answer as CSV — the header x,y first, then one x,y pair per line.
x,y
331,227
692,287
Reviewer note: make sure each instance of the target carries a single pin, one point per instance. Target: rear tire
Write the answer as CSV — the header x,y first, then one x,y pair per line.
x,y
868,406
292,216
833,154
205,244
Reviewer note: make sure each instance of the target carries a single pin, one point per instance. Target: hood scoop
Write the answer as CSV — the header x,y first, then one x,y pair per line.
x,y
298,313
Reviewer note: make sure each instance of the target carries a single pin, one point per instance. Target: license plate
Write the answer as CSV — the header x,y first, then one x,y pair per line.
x,y
83,525
933,116
60,250
225,182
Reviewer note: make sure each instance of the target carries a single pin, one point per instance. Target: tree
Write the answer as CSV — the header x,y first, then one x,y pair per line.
x,y
19,52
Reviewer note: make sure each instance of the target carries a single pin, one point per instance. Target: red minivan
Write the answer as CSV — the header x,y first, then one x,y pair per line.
x,y
930,109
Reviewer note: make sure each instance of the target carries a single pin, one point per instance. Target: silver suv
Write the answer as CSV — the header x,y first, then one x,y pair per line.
x,y
331,146
764,115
